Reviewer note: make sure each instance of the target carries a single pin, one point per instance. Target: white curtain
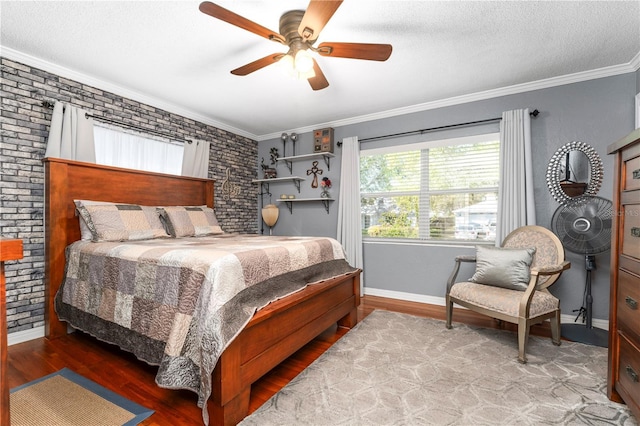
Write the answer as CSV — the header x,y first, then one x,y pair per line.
x,y
516,206
349,218
114,147
70,134
195,162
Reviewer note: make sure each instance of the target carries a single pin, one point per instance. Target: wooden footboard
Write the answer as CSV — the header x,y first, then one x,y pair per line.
x,y
275,333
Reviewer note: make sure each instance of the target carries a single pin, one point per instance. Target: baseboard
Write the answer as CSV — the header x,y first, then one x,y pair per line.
x,y
440,301
25,335
410,297
597,323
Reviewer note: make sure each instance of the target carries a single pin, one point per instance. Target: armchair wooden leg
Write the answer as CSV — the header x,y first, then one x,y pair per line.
x,y
555,329
523,339
449,308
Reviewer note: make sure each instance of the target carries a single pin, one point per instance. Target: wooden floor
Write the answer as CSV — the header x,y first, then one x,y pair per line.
x,y
124,374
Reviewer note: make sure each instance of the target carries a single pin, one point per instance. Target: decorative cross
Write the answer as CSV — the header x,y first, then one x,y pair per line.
x,y
315,171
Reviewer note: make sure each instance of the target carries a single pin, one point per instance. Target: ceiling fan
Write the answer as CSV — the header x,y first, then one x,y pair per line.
x,y
299,30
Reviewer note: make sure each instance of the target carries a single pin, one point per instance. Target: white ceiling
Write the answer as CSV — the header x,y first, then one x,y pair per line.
x,y
171,55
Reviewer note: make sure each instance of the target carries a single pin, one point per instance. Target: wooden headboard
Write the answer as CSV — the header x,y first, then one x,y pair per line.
x,y
67,180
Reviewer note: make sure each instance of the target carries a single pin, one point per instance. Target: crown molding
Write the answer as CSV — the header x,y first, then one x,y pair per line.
x,y
32,61
614,70
631,66
635,62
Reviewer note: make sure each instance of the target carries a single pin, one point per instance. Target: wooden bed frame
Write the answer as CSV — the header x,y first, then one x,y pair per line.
x,y
273,334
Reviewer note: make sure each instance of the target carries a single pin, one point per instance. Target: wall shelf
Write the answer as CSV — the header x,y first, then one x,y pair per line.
x,y
264,183
325,155
289,202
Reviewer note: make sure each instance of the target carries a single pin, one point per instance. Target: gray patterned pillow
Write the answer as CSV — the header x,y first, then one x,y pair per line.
x,y
190,221
503,267
120,222
86,234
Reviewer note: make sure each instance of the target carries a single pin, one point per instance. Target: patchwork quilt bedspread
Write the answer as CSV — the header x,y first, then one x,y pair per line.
x,y
179,302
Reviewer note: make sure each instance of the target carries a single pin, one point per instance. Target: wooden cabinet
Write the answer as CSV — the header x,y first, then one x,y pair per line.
x,y
10,249
623,382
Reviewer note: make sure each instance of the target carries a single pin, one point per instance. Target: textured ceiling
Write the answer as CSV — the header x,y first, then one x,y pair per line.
x,y
173,56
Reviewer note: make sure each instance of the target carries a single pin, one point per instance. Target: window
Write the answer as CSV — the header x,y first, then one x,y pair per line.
x,y
134,151
440,190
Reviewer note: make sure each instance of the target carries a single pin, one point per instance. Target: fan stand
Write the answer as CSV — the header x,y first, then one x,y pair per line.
x,y
586,333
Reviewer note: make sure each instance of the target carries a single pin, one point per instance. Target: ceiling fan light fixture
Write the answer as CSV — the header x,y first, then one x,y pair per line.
x,y
303,61
292,66
286,63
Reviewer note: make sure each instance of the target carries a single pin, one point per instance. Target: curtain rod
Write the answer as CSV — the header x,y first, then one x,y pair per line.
x,y
49,104
534,113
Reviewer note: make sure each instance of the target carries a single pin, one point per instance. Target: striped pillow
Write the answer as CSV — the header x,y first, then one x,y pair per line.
x,y
120,222
190,221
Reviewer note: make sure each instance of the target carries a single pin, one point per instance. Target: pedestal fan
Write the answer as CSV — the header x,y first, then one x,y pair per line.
x,y
583,224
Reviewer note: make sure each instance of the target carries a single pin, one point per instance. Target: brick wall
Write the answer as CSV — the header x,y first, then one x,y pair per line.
x,y
24,128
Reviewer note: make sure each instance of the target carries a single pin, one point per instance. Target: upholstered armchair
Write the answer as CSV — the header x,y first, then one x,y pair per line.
x,y
510,283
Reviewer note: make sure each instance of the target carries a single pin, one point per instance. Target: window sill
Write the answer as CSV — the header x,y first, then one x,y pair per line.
x,y
426,243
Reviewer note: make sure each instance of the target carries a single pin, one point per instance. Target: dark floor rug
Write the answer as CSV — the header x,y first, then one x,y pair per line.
x,y
65,398
398,369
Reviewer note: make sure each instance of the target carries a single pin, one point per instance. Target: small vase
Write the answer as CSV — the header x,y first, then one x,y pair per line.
x,y
325,194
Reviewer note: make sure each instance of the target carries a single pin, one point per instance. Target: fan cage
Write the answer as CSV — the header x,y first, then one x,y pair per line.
x,y
584,224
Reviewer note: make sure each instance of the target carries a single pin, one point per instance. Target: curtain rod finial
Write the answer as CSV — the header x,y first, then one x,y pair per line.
x,y
534,113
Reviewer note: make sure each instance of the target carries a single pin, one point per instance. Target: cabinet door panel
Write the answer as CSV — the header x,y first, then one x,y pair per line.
x,y
632,180
629,373
631,241
629,305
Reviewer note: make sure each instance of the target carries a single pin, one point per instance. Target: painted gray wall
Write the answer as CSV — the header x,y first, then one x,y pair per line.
x,y
637,88
597,112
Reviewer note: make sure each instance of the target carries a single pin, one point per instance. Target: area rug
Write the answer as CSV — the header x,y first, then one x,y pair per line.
x,y
65,398
398,369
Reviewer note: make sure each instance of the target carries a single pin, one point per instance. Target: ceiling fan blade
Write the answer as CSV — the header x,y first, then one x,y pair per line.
x,y
256,65
316,17
228,16
368,51
319,81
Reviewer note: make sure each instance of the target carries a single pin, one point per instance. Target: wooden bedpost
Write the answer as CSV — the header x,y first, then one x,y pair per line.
x,y
55,241
229,402
351,319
